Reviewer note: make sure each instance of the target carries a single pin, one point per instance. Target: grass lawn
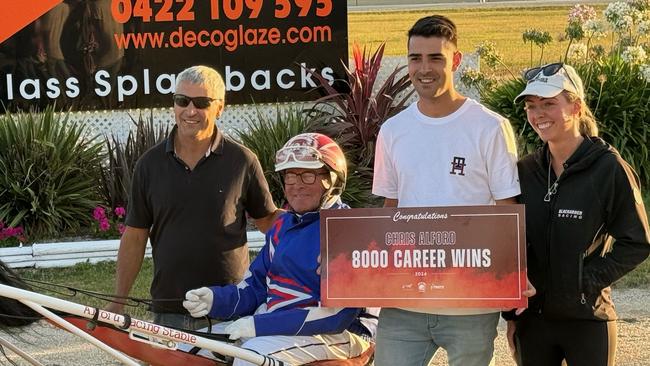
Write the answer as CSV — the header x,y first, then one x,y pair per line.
x,y
98,277
503,26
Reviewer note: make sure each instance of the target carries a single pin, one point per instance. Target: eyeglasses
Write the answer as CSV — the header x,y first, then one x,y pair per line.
x,y
302,154
548,70
305,177
199,102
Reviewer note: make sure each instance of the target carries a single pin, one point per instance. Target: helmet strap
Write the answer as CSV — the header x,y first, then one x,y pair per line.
x,y
331,194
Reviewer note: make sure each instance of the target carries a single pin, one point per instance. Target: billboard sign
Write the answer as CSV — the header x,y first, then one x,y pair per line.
x,y
108,54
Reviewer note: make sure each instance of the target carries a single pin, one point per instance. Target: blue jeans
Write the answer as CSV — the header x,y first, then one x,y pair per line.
x,y
408,338
181,321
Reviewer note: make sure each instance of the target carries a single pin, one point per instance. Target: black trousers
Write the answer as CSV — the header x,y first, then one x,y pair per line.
x,y
546,342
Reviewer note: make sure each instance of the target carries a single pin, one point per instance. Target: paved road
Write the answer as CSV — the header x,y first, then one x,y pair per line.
x,y
56,347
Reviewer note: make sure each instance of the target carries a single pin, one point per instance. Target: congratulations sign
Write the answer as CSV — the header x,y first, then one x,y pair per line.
x,y
106,54
424,257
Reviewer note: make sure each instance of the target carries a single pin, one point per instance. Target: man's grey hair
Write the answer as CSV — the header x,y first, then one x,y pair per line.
x,y
204,75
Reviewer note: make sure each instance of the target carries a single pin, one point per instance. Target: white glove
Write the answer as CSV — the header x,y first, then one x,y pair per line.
x,y
241,328
198,302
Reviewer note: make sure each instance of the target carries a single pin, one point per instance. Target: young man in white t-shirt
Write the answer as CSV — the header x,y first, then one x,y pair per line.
x,y
444,150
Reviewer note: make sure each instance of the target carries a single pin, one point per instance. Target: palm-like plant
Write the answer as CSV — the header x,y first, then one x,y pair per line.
x,y
265,135
117,170
501,98
621,103
50,169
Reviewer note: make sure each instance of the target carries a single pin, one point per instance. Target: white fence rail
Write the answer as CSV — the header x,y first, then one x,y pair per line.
x,y
48,255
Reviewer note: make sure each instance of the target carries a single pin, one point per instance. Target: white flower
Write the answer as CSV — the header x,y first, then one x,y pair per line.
x,y
616,9
639,4
594,28
624,23
634,55
471,74
645,72
636,15
488,53
473,78
577,51
619,15
644,28
645,16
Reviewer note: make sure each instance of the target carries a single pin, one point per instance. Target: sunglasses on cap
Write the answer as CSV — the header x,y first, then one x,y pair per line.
x,y
199,102
302,154
548,70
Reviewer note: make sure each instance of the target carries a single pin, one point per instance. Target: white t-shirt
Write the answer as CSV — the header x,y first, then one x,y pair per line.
x,y
466,158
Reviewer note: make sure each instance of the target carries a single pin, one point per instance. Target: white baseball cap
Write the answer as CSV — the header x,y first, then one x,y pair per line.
x,y
550,80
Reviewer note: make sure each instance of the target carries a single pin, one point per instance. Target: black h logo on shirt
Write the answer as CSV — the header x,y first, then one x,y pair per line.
x,y
458,165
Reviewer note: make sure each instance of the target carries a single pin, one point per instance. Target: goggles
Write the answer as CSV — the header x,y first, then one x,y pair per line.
x,y
199,102
299,154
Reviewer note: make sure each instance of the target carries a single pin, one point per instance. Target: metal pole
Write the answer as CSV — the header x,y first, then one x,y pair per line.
x,y
24,355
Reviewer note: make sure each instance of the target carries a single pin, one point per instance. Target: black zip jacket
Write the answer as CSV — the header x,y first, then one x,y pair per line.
x,y
572,257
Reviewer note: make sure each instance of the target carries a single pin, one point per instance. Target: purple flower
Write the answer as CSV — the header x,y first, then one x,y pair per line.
x,y
581,13
9,232
121,228
99,213
104,225
120,211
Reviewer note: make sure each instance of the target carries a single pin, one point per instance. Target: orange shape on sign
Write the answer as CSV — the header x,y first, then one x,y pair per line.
x,y
23,12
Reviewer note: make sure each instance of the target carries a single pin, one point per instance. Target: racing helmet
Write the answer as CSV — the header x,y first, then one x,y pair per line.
x,y
313,151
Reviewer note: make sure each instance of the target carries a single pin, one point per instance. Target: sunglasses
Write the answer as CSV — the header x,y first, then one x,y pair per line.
x,y
305,177
548,70
198,102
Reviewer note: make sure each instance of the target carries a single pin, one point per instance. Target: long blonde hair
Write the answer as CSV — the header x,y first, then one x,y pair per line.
x,y
587,122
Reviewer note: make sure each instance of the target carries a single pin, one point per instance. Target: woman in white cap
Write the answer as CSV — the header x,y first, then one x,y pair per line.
x,y
586,227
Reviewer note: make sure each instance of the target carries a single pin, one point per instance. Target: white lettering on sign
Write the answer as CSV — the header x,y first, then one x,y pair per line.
x,y
126,85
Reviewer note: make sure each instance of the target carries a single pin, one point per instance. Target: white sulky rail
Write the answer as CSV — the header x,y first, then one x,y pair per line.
x,y
38,301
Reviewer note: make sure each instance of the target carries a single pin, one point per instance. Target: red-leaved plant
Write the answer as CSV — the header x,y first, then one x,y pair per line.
x,y
354,116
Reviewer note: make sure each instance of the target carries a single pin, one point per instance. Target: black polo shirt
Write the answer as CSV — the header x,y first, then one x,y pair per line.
x,y
197,217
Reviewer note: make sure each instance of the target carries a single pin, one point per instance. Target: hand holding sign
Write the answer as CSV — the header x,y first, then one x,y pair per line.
x,y
530,291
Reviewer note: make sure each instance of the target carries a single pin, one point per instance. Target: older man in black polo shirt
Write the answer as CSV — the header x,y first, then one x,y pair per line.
x,y
190,195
